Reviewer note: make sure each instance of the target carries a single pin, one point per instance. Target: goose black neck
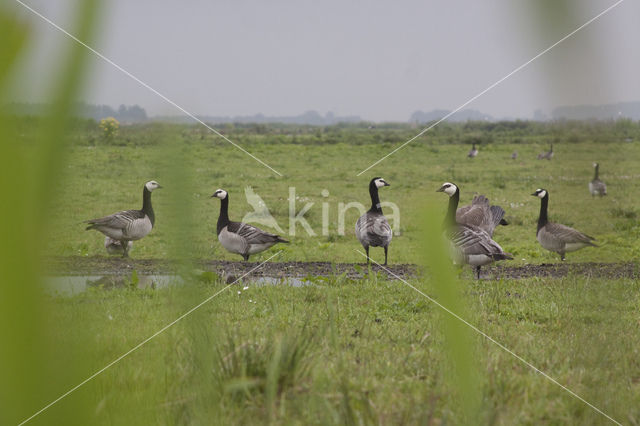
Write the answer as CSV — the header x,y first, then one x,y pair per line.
x,y
542,219
147,209
450,218
375,199
596,176
223,219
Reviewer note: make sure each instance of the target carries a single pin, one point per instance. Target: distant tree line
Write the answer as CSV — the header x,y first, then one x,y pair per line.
x,y
125,114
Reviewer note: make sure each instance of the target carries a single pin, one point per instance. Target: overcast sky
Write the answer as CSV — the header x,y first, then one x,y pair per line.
x,y
379,60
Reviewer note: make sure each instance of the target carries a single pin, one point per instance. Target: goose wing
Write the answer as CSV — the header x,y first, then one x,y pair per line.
x,y
474,241
118,220
480,214
253,235
566,234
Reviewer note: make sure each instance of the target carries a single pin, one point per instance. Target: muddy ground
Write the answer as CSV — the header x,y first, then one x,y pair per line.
x,y
114,265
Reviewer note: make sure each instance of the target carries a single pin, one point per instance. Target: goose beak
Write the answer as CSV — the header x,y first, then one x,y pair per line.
x,y
441,189
387,183
535,194
160,187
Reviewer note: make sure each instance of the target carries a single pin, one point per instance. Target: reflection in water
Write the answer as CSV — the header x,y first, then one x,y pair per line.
x,y
73,284
69,285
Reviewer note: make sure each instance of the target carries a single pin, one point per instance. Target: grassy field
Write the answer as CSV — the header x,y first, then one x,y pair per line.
x,y
343,351
348,352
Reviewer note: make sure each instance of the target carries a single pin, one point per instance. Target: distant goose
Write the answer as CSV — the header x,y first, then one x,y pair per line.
x,y
128,225
481,214
473,152
372,228
514,155
556,237
115,246
470,244
596,186
546,155
238,237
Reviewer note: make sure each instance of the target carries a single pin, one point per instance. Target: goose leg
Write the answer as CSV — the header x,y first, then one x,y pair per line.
x,y
561,256
245,257
478,272
385,255
367,250
125,252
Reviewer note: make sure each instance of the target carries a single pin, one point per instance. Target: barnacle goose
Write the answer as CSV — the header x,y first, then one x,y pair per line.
x,y
238,237
546,155
128,225
473,152
115,246
481,214
372,228
470,244
554,236
596,186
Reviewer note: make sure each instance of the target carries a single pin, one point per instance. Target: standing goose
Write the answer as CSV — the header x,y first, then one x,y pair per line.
x,y
473,152
239,237
470,244
554,236
128,225
514,155
481,215
372,228
546,155
596,186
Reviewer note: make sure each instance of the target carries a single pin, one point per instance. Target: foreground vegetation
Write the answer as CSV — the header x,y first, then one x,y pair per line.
x,y
348,352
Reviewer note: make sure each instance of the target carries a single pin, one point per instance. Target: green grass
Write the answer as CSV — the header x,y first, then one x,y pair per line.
x,y
350,352
103,178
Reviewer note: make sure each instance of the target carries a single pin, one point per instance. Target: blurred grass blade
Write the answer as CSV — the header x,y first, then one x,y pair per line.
x,y
30,375
459,343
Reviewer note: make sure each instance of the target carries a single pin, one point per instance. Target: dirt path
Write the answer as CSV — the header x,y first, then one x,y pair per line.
x,y
111,266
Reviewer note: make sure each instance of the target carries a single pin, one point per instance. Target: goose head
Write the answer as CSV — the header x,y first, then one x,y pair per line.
x,y
540,193
152,185
595,165
448,188
220,193
378,182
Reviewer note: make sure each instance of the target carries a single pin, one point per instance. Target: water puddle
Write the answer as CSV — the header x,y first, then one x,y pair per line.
x,y
73,284
68,285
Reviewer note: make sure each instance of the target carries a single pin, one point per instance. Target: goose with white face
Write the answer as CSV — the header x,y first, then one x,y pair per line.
x,y
220,193
152,185
448,188
381,182
541,193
